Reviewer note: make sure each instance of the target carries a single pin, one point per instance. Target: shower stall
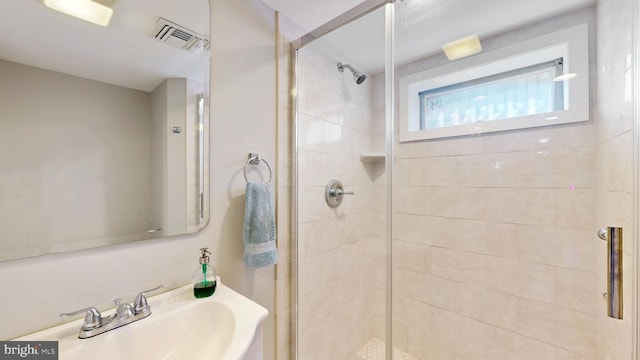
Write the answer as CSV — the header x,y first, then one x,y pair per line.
x,y
448,205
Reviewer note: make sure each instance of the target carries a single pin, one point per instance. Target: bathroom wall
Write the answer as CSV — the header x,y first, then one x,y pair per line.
x,y
495,253
336,246
243,71
243,113
615,186
55,149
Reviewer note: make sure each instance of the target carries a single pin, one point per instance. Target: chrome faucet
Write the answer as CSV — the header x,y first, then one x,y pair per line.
x,y
95,324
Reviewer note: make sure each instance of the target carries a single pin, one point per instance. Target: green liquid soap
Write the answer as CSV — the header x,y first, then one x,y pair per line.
x,y
204,272
204,289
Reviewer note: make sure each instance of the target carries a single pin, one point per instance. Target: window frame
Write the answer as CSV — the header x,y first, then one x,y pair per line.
x,y
570,44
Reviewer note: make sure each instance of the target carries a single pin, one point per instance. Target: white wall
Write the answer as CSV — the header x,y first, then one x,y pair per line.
x,y
243,120
243,117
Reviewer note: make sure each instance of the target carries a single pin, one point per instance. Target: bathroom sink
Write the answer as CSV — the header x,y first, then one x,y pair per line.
x,y
220,327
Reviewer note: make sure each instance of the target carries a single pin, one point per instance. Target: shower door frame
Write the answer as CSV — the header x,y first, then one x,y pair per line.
x,y
636,179
355,13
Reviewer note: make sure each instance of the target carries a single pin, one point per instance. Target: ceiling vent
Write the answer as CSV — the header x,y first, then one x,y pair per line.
x,y
178,36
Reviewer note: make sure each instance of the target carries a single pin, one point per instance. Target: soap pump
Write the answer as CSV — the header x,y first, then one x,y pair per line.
x,y
204,278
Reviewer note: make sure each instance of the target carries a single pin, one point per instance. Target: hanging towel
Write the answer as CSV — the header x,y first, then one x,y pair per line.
x,y
259,231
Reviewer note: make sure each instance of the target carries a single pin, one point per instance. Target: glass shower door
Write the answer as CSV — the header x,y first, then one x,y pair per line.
x,y
342,254
495,253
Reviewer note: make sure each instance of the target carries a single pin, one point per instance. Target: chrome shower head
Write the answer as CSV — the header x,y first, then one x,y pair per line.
x,y
358,76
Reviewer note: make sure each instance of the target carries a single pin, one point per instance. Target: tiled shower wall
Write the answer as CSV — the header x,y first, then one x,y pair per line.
x,y
336,246
615,158
494,237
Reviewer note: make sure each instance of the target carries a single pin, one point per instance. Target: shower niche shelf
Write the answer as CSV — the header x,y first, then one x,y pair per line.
x,y
372,157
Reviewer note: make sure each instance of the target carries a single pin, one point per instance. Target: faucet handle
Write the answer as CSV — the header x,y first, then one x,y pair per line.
x,y
92,319
140,303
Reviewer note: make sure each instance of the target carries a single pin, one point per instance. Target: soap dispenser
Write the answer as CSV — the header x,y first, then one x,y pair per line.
x,y
204,278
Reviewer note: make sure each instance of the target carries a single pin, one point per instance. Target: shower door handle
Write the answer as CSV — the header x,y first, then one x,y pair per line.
x,y
613,237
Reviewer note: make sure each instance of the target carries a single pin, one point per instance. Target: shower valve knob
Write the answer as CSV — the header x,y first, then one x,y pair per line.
x,y
342,192
335,193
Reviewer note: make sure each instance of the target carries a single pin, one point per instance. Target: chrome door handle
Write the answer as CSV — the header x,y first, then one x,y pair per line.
x,y
614,294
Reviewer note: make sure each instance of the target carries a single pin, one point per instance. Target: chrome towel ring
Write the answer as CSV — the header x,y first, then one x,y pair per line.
x,y
255,159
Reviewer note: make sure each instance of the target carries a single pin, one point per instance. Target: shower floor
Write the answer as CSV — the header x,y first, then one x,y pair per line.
x,y
374,350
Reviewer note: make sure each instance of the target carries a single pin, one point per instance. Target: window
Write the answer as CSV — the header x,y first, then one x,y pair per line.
x,y
526,91
539,82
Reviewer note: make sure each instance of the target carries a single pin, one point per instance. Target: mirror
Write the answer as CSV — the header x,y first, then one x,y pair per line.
x,y
104,135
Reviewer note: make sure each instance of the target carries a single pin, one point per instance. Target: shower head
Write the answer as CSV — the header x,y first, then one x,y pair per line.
x,y
358,76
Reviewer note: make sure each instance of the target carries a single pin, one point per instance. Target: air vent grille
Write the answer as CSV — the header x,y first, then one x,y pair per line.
x,y
181,35
178,36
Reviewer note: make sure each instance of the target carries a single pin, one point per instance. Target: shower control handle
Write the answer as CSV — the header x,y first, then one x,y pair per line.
x,y
342,192
334,193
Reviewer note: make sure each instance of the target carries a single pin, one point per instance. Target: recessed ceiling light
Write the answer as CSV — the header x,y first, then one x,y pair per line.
x,y
565,77
461,48
95,11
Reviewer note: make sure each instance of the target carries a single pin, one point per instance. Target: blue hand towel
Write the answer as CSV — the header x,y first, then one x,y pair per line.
x,y
259,231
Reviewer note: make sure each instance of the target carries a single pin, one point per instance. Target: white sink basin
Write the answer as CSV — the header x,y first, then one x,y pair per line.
x,y
220,327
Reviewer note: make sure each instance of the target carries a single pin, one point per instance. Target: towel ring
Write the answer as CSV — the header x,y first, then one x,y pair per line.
x,y
255,159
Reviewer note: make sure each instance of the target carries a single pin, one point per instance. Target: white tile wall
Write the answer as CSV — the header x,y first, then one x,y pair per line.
x,y
338,247
494,238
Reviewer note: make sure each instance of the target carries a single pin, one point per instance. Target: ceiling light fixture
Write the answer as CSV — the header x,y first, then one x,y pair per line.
x,y
461,48
94,11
